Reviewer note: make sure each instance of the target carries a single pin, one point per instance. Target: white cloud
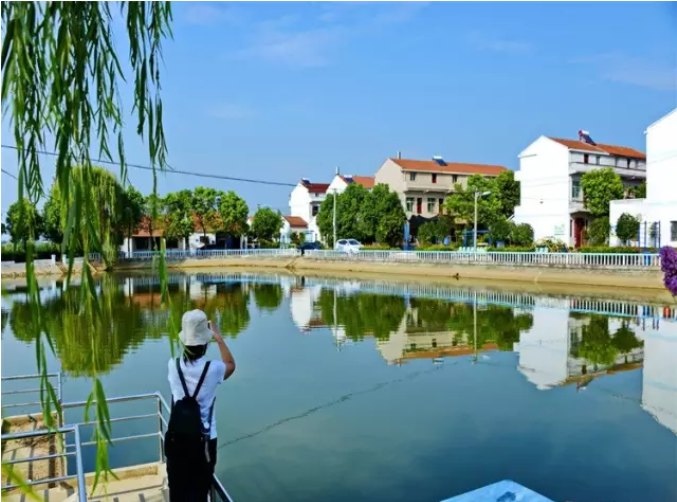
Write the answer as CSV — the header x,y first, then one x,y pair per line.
x,y
487,42
232,111
633,71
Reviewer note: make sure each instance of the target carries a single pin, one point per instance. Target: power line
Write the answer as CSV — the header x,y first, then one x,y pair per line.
x,y
173,171
10,174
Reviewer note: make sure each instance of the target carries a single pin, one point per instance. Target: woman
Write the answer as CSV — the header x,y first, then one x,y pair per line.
x,y
192,375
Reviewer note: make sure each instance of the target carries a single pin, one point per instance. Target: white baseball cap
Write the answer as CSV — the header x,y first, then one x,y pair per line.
x,y
194,328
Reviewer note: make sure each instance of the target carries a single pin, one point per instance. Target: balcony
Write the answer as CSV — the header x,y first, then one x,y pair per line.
x,y
427,186
624,172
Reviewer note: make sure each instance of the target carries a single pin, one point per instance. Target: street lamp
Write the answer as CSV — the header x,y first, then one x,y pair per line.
x,y
477,196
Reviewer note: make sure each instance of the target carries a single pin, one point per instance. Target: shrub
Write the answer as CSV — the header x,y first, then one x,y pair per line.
x,y
669,268
376,246
627,228
597,232
513,249
432,232
500,230
439,247
615,249
522,234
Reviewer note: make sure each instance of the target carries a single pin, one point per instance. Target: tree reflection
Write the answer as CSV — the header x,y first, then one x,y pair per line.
x,y
625,339
362,315
596,345
495,324
229,307
268,296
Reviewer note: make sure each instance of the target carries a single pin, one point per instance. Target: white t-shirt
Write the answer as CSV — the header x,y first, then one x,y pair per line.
x,y
191,374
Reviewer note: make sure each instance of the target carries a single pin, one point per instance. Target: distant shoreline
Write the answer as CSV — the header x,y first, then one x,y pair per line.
x,y
588,278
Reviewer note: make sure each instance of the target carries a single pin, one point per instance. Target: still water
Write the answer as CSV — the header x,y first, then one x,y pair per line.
x,y
378,391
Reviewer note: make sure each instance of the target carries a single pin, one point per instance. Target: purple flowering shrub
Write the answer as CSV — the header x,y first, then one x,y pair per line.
x,y
669,267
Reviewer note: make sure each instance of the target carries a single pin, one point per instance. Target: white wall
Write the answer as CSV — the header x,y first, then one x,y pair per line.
x,y
337,184
660,205
661,149
299,202
544,189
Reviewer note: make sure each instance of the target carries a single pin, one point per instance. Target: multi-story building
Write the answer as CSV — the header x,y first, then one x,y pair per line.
x,y
305,201
551,197
657,213
423,185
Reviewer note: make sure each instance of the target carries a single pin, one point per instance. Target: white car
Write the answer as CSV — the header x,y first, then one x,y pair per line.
x,y
348,245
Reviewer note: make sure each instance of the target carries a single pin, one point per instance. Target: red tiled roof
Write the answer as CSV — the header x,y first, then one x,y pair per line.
x,y
143,230
450,167
620,151
315,187
366,181
296,221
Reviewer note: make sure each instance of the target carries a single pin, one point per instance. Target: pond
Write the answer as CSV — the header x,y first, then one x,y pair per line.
x,y
368,390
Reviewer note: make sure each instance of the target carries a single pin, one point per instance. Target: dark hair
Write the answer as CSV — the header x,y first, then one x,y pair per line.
x,y
192,353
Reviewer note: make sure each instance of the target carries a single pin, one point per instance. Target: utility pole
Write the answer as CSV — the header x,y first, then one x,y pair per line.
x,y
474,239
334,219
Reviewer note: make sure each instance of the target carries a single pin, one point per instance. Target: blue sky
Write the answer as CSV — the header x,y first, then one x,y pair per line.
x,y
280,91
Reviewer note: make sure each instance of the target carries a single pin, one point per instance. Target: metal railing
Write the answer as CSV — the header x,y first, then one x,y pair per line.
x,y
28,391
563,260
183,254
78,444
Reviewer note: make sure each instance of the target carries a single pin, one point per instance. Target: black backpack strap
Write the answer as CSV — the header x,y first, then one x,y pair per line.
x,y
202,379
183,381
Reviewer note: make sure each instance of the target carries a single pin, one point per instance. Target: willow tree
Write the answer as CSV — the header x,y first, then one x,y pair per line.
x,y
61,77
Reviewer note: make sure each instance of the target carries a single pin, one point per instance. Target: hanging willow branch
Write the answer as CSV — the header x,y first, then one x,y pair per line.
x,y
60,89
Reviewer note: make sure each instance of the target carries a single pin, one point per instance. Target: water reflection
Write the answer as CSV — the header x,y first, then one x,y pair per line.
x,y
558,340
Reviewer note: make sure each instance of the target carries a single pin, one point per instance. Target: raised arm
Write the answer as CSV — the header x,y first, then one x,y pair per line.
x,y
226,356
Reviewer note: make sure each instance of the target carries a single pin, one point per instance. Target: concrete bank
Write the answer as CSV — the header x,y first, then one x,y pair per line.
x,y
584,277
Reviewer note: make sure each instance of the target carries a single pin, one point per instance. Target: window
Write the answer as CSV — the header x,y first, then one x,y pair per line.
x,y
441,206
431,205
586,158
627,163
673,231
316,209
576,190
597,159
454,178
434,178
410,204
412,176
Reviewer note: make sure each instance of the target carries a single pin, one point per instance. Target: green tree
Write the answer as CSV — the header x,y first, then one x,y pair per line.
x,y
204,204
381,216
598,230
500,229
461,203
390,228
133,211
508,192
267,224
348,217
601,186
234,213
23,221
178,208
51,216
639,191
325,219
60,76
268,296
522,234
627,228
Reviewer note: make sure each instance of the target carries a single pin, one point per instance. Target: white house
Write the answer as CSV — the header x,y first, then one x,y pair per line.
x,y
341,182
550,174
292,225
658,212
305,201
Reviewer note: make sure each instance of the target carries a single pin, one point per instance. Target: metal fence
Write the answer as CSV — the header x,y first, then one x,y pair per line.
x,y
159,416
183,254
564,260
